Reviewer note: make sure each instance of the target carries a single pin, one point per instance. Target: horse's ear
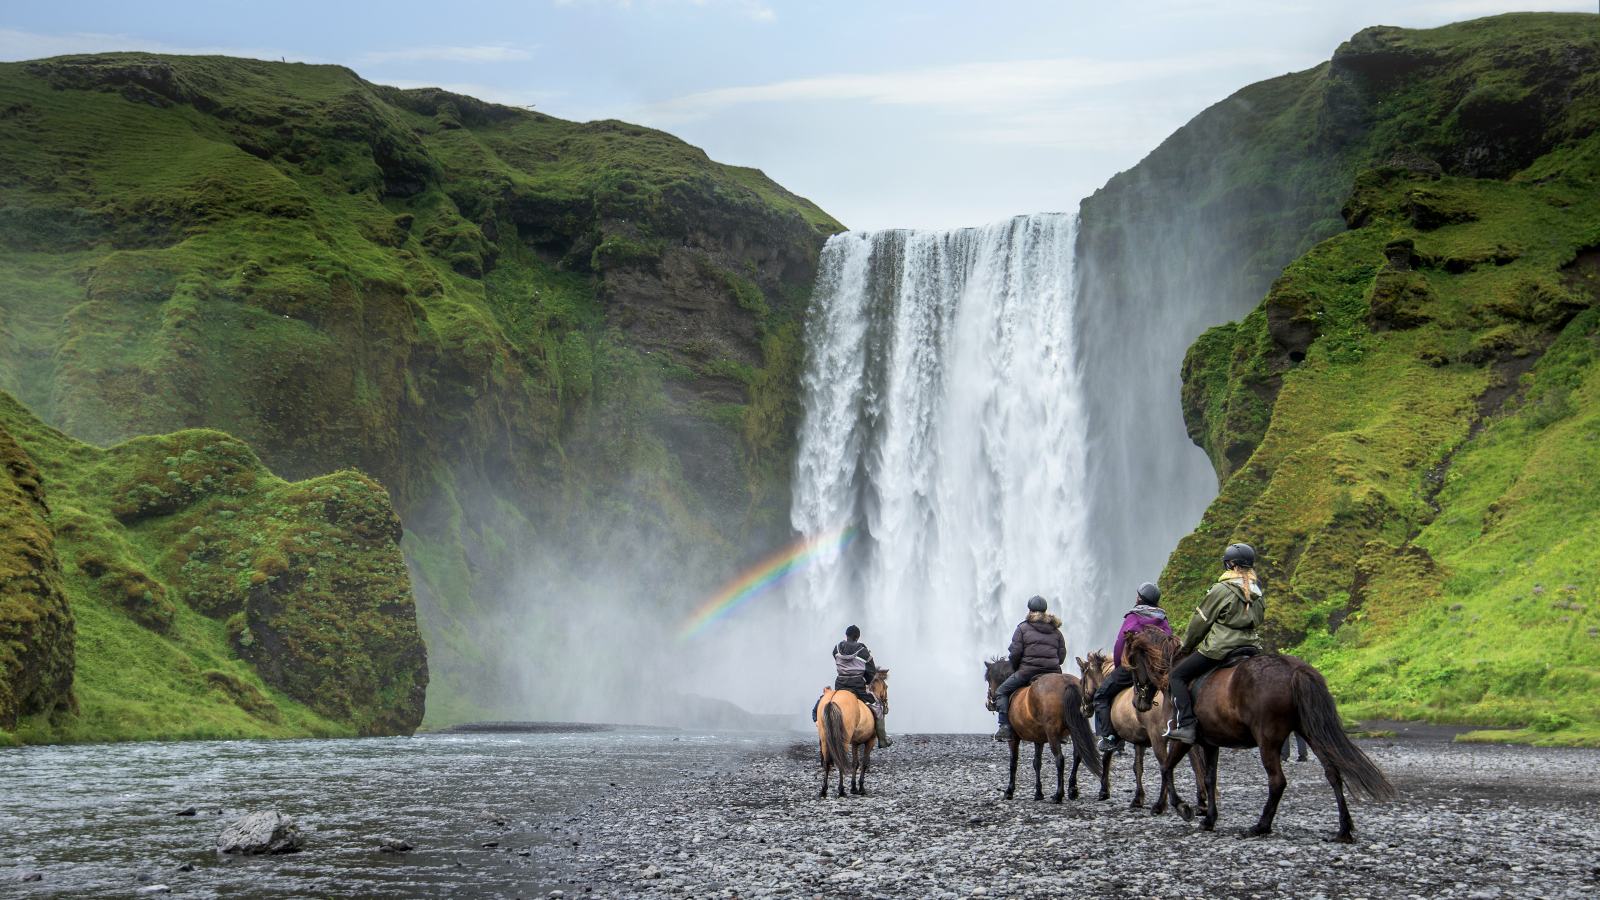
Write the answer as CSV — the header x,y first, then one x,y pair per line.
x,y
1081,663
884,673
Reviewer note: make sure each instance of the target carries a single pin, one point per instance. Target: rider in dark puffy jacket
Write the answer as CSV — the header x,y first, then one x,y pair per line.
x,y
856,670
1037,648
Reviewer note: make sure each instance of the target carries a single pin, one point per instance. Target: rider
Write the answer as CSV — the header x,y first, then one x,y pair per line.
x,y
1227,621
856,670
1147,612
1037,648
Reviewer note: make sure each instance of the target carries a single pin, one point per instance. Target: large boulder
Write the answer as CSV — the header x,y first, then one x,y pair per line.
x,y
268,831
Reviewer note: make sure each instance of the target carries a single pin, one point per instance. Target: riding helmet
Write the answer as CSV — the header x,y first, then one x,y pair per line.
x,y
1149,593
1037,604
1238,555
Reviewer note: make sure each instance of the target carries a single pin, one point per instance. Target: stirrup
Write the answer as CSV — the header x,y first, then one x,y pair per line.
x,y
1110,743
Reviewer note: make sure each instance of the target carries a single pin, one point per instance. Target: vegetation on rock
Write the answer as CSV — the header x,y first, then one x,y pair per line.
x,y
531,331
1407,427
211,598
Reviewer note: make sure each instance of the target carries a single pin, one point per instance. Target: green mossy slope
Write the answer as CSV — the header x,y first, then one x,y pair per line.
x,y
1408,426
211,599
529,330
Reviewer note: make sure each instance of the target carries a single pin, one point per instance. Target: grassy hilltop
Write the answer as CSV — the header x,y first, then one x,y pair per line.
x,y
1408,425
532,332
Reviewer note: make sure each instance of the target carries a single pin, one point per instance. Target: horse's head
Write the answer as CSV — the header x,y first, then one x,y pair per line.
x,y
1148,653
1094,669
995,671
880,689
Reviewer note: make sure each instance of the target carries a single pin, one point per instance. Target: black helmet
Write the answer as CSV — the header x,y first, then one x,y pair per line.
x,y
1150,594
1037,604
1238,555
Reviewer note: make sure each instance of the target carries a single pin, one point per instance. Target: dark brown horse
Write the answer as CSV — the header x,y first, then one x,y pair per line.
x,y
1256,703
1044,712
1141,728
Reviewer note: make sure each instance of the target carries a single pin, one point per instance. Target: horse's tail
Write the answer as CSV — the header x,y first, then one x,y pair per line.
x,y
1078,727
1319,724
833,735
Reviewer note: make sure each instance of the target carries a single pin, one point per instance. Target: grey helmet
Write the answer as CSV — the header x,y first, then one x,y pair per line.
x,y
1149,593
1037,604
1239,555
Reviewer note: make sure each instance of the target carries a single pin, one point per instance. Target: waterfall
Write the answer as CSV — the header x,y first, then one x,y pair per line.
x,y
943,421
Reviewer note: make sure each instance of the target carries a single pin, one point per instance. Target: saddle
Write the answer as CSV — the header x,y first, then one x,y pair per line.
x,y
1232,659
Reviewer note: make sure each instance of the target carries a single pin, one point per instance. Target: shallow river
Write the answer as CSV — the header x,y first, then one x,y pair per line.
x,y
101,819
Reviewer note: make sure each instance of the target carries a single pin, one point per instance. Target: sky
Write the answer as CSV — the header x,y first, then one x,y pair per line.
x,y
925,114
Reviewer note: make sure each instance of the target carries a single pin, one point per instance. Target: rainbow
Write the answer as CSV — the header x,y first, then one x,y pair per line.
x,y
759,578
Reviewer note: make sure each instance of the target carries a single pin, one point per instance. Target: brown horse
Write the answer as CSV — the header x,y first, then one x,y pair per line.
x,y
1044,712
1142,729
845,733
1257,703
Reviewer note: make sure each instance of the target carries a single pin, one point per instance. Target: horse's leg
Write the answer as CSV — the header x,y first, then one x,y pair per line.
x,y
866,761
1138,775
1176,751
1211,755
855,768
1299,748
827,771
1011,786
1038,763
1105,776
1072,777
1061,765
1272,761
1346,827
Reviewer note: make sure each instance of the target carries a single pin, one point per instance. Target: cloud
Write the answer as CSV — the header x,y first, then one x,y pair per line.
x,y
755,10
968,88
17,45
1457,10
488,53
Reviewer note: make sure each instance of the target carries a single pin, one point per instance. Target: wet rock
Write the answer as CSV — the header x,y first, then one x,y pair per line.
x,y
32,876
153,889
268,831
186,867
393,845
187,811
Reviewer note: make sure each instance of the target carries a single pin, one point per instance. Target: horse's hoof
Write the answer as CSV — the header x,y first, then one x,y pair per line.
x,y
1208,824
1186,811
1158,809
1138,803
1056,799
1072,795
1342,838
1258,831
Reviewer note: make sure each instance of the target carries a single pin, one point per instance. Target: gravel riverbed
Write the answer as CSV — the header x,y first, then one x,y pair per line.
x,y
1471,821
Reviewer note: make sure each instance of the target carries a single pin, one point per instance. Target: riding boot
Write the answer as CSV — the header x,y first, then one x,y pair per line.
x,y
1004,732
883,733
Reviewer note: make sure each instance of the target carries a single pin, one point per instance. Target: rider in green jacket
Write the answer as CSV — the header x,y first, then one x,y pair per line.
x,y
1229,619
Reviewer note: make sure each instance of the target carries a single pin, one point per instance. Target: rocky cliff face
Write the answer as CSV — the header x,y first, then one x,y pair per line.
x,y
36,633
574,338
1401,424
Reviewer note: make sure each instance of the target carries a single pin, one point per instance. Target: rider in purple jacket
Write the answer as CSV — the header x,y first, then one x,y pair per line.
x,y
1146,613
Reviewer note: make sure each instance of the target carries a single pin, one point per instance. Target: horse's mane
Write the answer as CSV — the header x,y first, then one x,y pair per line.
x,y
1099,661
993,661
1158,647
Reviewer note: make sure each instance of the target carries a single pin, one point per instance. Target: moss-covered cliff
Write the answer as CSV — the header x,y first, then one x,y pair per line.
x,y
535,333
1408,426
210,598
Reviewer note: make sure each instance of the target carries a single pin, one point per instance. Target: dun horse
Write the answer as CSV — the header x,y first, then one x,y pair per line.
x,y
1044,712
846,735
1257,703
1140,728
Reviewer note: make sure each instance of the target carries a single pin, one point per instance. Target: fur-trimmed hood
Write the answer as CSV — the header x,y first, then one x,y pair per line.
x,y
1048,618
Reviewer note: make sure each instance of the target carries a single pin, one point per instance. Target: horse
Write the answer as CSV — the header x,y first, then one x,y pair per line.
x,y
1257,703
1141,729
845,732
1043,712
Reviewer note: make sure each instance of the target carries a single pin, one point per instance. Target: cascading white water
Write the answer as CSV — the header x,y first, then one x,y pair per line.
x,y
943,421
